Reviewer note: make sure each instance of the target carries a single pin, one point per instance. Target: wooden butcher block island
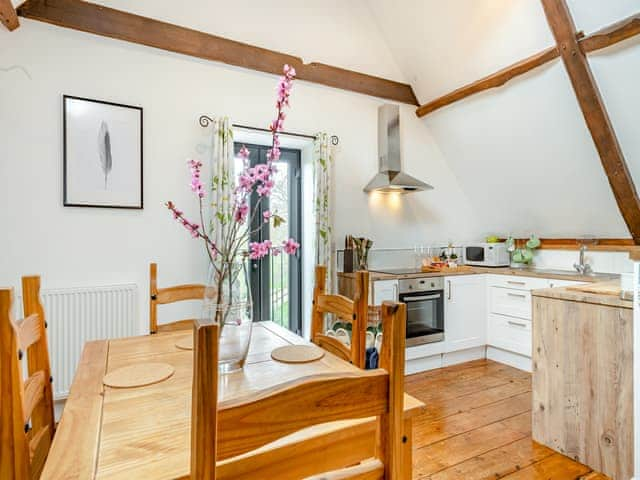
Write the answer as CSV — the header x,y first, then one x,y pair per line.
x,y
583,378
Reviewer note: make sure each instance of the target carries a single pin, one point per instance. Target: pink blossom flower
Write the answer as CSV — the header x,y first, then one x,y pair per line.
x,y
241,212
196,184
290,246
258,250
266,216
244,153
275,251
192,228
265,188
245,182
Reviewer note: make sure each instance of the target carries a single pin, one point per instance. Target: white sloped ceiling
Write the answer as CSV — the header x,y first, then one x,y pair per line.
x,y
522,153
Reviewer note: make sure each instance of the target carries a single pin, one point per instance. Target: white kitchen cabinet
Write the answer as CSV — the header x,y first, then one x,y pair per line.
x,y
465,312
383,290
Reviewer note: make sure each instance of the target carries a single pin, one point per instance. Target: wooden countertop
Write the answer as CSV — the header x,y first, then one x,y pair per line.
x,y
523,272
593,297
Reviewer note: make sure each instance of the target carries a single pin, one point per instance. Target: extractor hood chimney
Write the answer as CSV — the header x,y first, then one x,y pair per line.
x,y
390,177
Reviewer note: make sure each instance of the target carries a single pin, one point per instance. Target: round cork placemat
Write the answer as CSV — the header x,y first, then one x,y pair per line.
x,y
138,375
185,343
297,354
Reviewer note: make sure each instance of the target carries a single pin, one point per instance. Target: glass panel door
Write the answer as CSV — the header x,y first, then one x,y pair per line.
x,y
276,280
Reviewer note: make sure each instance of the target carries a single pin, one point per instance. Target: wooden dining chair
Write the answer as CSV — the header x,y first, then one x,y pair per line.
x,y
26,407
240,426
163,296
353,311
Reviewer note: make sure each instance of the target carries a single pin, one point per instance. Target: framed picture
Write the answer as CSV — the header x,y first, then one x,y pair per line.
x,y
102,154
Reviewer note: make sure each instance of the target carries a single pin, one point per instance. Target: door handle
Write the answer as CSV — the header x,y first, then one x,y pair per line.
x,y
423,297
517,324
512,282
449,288
519,295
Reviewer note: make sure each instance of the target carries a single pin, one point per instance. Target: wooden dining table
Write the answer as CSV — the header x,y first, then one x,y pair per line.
x,y
144,432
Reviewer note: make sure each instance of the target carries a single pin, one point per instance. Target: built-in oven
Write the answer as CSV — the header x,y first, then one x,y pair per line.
x,y
425,309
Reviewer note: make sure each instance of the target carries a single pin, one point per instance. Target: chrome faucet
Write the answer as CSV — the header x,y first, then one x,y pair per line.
x,y
582,267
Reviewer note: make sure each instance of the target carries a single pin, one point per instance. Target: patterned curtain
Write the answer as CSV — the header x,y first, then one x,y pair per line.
x,y
222,176
323,155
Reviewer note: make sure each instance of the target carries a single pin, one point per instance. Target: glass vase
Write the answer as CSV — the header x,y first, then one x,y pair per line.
x,y
227,302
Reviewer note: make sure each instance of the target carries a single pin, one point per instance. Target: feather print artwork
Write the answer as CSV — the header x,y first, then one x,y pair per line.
x,y
104,149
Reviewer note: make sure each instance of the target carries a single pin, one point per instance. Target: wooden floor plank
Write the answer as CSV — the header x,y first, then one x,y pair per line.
x,y
497,463
478,427
426,432
554,467
433,458
440,408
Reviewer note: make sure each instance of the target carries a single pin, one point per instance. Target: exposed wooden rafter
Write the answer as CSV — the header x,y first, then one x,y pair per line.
x,y
595,113
100,20
492,81
603,38
8,15
612,34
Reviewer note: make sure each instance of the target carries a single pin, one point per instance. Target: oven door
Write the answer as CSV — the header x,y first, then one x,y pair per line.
x,y
425,317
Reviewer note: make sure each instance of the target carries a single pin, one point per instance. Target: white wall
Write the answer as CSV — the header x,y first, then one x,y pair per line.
x,y
80,246
522,152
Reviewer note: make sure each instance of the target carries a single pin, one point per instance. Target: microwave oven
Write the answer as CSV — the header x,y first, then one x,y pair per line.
x,y
487,255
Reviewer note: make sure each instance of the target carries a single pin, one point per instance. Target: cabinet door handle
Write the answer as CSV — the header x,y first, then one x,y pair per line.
x,y
449,294
513,282
519,295
516,324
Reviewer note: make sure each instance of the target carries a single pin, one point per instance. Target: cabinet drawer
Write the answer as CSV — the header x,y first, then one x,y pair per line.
x,y
517,282
511,334
509,301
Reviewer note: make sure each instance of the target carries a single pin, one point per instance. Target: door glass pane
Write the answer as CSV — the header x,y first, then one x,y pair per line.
x,y
275,279
279,204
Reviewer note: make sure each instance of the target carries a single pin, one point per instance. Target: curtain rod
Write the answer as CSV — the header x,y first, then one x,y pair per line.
x,y
205,120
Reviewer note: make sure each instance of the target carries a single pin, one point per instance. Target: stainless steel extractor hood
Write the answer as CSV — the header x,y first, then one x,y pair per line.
x,y
390,177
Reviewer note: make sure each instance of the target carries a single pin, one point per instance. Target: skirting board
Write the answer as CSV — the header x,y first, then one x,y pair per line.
x,y
462,356
512,359
417,365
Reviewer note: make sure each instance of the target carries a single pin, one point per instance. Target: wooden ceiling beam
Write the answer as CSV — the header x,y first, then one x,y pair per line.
x,y
612,34
603,38
8,15
109,22
494,80
595,113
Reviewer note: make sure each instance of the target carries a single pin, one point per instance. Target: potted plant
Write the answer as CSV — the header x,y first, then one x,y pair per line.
x,y
522,251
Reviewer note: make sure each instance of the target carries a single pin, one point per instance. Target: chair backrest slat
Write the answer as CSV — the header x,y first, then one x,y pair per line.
x,y
242,425
246,425
163,296
353,311
28,331
33,394
26,408
38,359
333,345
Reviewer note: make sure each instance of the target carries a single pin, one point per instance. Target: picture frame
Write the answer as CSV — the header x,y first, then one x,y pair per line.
x,y
102,154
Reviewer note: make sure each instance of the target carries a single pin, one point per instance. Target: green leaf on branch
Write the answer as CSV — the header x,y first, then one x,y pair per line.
x,y
278,220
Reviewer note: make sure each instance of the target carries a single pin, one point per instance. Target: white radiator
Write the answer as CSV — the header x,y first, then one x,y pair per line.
x,y
77,315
